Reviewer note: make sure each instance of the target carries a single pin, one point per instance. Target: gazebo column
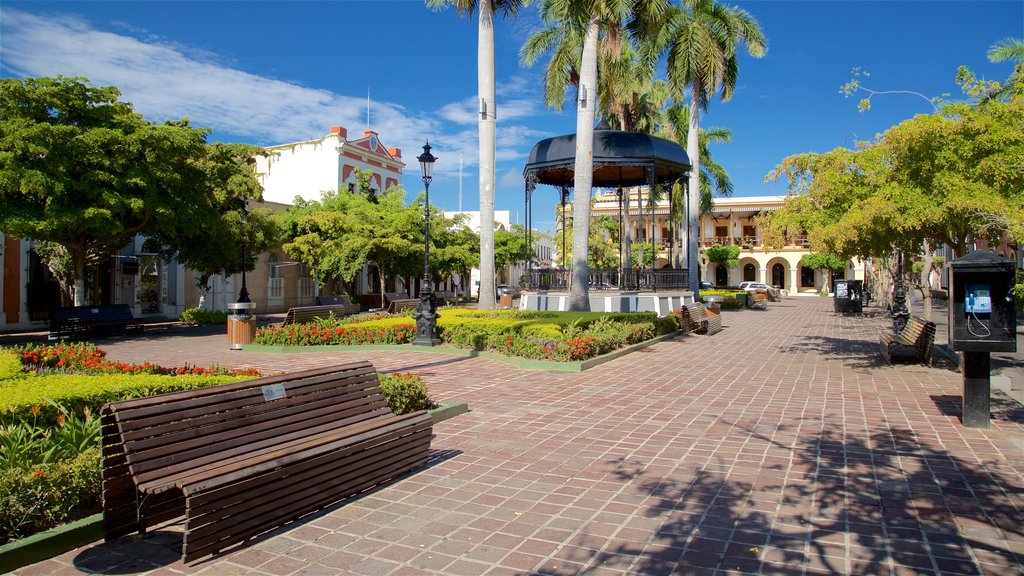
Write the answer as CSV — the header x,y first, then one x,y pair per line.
x,y
652,183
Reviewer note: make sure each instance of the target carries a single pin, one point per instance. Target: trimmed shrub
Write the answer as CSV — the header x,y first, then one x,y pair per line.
x,y
47,495
10,365
196,316
76,392
404,392
349,334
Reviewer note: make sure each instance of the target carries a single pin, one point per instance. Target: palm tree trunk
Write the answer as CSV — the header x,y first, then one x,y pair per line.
x,y
693,194
485,87
579,294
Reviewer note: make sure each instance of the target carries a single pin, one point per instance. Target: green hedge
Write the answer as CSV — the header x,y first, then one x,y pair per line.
x,y
48,495
197,316
76,392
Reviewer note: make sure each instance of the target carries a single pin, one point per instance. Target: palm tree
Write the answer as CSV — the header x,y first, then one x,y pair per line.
x,y
486,124
714,178
1011,49
701,39
566,23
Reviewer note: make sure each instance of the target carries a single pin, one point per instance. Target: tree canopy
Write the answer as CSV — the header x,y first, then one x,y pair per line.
x,y
79,168
943,178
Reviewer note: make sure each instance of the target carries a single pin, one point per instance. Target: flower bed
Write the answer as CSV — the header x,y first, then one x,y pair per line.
x,y
533,335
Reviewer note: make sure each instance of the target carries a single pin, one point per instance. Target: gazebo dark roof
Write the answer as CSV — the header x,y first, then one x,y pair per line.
x,y
620,159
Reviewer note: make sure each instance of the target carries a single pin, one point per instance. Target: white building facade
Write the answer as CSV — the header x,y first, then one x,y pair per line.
x,y
309,168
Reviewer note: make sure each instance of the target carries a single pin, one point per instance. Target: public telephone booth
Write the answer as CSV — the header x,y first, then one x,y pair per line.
x,y
982,320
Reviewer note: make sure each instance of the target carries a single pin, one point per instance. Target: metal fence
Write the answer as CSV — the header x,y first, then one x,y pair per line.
x,y
610,279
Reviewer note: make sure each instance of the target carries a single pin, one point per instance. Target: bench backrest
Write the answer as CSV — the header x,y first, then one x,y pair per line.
x,y
693,314
392,296
333,300
103,313
194,428
304,314
922,333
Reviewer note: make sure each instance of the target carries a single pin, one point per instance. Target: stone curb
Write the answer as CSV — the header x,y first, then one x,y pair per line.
x,y
522,363
66,537
50,543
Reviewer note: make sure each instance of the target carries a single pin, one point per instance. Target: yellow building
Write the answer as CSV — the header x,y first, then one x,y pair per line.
x,y
733,222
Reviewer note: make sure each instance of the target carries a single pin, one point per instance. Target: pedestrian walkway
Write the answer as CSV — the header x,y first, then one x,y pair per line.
x,y
782,445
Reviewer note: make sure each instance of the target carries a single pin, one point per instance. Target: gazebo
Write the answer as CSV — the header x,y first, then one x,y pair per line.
x,y
620,159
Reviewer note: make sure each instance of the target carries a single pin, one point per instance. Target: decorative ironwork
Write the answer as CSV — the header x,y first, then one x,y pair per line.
x,y
545,279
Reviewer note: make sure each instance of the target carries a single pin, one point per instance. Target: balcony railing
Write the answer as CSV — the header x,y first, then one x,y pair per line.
x,y
609,279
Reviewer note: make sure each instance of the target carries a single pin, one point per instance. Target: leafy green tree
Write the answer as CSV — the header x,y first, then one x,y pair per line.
x,y
714,178
702,39
940,179
216,245
311,231
824,262
725,255
510,246
79,168
486,9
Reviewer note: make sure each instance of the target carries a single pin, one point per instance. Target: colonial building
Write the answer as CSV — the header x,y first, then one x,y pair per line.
x,y
733,222
309,168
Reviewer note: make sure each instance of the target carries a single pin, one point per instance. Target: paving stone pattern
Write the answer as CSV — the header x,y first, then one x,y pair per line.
x,y
780,446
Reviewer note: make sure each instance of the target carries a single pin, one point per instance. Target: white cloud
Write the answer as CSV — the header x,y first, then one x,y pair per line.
x,y
164,80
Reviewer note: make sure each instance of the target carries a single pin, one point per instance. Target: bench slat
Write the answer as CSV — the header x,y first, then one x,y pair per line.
x,y
251,405
239,533
161,400
151,474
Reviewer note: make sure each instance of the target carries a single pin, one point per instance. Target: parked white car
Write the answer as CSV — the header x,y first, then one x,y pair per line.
x,y
755,286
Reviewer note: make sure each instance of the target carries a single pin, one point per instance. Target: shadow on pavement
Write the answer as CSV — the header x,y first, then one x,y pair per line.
x,y
886,502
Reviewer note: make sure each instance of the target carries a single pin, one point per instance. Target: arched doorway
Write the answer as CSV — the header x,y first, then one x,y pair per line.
x,y
749,273
779,275
721,275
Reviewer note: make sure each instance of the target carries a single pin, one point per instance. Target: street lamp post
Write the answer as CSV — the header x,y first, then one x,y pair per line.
x,y
900,314
426,311
243,294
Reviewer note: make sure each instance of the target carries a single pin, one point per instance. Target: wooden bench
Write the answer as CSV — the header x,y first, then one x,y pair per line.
x,y
307,314
339,300
399,302
913,344
696,318
93,321
242,458
760,300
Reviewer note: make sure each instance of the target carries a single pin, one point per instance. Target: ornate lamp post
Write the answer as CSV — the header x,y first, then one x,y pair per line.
x,y
243,294
426,312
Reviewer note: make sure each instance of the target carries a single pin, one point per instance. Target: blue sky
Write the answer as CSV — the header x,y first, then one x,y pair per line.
x,y
270,72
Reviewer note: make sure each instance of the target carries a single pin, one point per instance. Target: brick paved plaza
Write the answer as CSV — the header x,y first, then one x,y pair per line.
x,y
779,446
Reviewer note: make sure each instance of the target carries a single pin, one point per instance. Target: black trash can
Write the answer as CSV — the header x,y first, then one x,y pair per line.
x,y
848,294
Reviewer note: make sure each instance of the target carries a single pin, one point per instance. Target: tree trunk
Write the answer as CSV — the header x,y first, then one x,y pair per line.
x,y
926,285
579,294
78,263
204,288
486,123
693,193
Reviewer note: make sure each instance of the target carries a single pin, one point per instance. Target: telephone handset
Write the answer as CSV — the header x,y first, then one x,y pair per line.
x,y
978,299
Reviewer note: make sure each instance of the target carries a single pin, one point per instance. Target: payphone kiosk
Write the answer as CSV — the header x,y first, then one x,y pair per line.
x,y
982,319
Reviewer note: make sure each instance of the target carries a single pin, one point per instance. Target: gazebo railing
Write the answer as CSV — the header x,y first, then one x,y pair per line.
x,y
609,279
